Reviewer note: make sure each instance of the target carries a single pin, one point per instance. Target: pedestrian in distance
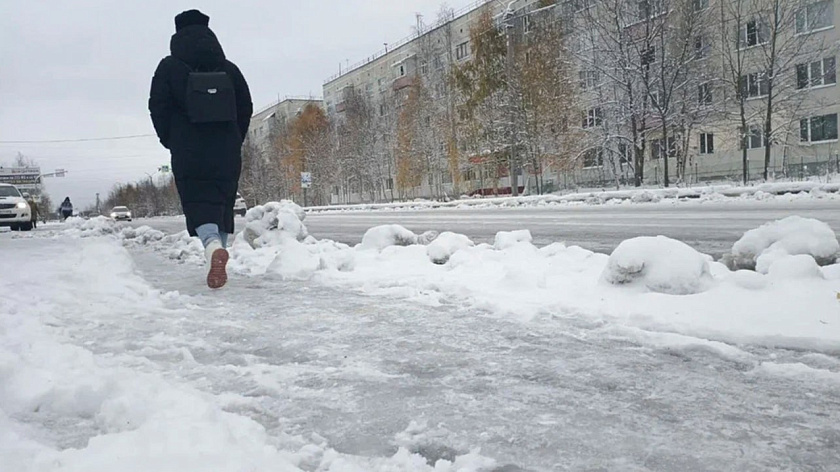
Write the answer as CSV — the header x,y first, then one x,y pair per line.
x,y
33,209
66,209
201,108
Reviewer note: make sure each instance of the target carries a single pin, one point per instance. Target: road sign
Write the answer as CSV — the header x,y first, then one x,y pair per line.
x,y
305,179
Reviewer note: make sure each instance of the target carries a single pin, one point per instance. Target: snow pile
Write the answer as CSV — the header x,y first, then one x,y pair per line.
x,y
274,223
800,266
380,237
275,240
645,196
661,264
759,248
142,235
779,191
181,247
85,228
445,245
507,239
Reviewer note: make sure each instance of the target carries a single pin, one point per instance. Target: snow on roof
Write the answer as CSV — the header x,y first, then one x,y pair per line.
x,y
270,115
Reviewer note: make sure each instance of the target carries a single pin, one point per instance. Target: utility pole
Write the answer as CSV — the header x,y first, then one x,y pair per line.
x,y
98,210
510,67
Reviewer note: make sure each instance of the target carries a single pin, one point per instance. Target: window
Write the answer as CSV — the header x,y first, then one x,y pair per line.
x,y
382,109
815,16
818,128
700,4
438,63
529,24
402,70
707,143
650,9
701,47
754,85
816,74
424,68
657,148
589,79
462,50
593,157
753,33
753,138
624,157
705,94
592,118
648,56
389,183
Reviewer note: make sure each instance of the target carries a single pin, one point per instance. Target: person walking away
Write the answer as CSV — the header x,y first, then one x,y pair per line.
x,y
201,107
66,209
33,209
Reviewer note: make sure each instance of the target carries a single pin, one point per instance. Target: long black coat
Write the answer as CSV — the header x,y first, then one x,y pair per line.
x,y
206,157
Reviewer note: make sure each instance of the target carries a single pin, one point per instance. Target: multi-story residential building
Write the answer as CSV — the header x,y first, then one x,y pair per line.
x,y
277,114
692,63
384,81
669,101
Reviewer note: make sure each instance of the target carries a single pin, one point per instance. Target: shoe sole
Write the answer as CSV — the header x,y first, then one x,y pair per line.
x,y
217,276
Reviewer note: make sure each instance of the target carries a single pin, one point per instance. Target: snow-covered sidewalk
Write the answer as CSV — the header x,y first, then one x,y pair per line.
x,y
714,193
444,356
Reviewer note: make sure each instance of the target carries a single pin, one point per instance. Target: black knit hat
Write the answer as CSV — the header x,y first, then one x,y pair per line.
x,y
189,18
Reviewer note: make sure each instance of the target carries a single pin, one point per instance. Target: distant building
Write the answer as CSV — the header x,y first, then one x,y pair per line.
x,y
280,112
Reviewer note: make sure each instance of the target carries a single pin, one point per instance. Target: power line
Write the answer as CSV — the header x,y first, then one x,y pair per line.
x,y
79,140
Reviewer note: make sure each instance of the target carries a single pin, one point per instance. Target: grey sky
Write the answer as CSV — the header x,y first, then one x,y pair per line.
x,y
82,68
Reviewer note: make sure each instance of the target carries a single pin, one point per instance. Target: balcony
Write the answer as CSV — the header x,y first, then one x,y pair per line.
x,y
403,82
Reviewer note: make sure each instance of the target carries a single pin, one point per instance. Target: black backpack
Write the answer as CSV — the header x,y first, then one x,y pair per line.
x,y
210,97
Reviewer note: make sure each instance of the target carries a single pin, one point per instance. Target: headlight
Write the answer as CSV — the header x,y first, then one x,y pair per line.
x,y
21,205
113,215
128,214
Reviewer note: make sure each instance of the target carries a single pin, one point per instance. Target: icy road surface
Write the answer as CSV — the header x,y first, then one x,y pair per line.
x,y
709,227
551,394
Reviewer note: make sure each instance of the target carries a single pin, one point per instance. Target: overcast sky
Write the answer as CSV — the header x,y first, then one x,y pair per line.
x,y
82,69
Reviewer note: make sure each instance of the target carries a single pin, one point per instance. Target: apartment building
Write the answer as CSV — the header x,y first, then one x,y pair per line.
x,y
277,114
704,141
733,47
385,79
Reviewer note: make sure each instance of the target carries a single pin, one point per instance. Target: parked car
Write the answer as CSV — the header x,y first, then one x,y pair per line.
x,y
14,211
240,207
121,213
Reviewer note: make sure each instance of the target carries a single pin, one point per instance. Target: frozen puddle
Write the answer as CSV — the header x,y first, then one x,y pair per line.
x,y
339,381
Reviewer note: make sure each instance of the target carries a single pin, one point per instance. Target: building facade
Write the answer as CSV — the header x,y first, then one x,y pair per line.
x,y
678,90
279,113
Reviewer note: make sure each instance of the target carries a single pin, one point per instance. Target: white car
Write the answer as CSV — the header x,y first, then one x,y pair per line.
x,y
14,211
240,207
121,213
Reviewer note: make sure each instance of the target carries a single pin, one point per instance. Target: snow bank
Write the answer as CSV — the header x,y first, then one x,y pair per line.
x,y
273,223
769,191
276,241
142,235
507,239
380,237
651,283
445,245
661,264
794,235
82,228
